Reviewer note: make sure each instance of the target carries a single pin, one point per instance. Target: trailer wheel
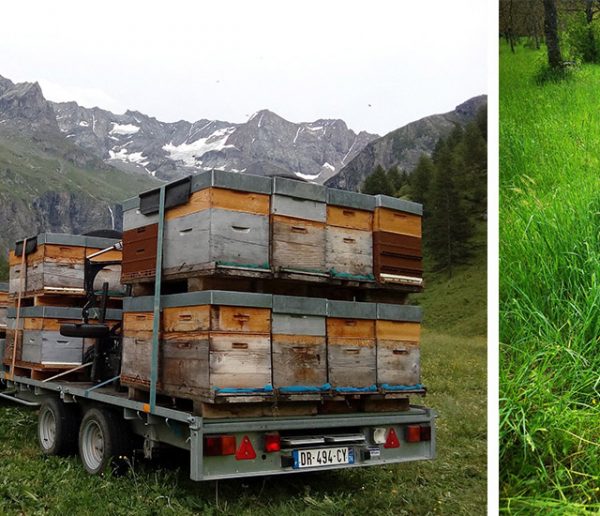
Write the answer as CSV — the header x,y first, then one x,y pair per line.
x,y
104,442
58,423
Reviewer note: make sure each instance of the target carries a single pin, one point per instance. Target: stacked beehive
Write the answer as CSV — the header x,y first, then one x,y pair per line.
x,y
303,254
46,289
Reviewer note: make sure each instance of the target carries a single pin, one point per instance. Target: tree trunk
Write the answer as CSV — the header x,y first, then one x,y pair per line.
x,y
589,13
551,32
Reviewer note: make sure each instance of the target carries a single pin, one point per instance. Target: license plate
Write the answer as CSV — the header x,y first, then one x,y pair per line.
x,y
314,458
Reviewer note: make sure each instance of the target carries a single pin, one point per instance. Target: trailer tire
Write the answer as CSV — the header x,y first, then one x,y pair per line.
x,y
105,442
58,423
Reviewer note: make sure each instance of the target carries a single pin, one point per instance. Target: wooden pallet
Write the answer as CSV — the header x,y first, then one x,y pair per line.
x,y
276,407
51,297
44,372
215,277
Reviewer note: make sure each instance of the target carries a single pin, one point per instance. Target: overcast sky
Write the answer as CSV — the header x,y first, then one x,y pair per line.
x,y
376,64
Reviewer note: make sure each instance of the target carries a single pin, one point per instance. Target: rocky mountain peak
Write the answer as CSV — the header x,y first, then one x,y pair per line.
x,y
23,106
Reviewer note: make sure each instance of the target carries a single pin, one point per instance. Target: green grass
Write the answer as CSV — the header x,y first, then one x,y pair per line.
x,y
455,483
549,288
454,370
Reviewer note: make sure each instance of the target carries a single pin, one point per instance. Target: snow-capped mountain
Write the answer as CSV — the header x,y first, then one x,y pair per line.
x,y
265,144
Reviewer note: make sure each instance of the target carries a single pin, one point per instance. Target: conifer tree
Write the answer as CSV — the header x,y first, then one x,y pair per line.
x,y
378,183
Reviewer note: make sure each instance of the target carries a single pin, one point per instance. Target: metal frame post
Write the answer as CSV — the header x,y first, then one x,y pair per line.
x,y
157,285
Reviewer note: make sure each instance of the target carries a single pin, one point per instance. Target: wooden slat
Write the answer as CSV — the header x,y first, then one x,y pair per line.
x,y
299,360
240,319
351,362
400,331
240,361
298,243
137,322
233,200
397,222
349,251
349,218
350,328
186,319
398,362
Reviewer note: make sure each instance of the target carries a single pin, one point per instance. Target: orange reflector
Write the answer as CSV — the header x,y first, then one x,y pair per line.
x,y
272,443
245,451
413,434
392,440
219,445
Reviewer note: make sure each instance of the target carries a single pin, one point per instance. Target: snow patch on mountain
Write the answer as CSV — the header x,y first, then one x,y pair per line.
x,y
124,129
189,153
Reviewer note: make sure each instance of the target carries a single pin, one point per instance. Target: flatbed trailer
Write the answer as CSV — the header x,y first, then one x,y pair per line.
x,y
105,424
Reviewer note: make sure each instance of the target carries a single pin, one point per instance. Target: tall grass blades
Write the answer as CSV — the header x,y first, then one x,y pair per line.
x,y
549,287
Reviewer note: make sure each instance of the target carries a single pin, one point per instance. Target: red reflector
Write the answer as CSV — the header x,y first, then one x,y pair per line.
x,y
413,434
245,451
219,445
425,433
272,443
392,440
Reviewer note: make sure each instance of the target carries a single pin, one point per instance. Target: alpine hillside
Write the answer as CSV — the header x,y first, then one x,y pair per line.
x,y
403,147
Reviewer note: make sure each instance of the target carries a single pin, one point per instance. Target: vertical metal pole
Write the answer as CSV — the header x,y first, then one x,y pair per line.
x,y
157,285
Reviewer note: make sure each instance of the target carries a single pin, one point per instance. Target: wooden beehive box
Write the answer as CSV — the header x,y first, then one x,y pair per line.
x,y
224,219
398,334
349,248
54,263
351,346
397,255
298,220
40,341
4,304
212,342
299,344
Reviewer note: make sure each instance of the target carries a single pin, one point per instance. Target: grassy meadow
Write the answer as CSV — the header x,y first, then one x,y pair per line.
x,y
549,287
454,370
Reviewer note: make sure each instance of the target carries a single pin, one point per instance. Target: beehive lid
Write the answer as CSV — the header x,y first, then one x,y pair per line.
x,y
206,297
64,239
299,189
393,203
62,312
299,305
404,313
232,181
351,310
347,199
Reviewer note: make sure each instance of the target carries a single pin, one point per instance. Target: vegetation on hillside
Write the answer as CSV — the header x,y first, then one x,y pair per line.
x,y
451,185
549,292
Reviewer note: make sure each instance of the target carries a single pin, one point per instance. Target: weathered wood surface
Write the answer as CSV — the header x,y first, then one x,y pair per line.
x,y
398,362
349,218
202,318
3,311
216,235
351,362
349,251
295,324
240,361
139,251
398,352
299,360
49,347
350,328
193,364
393,221
221,198
298,244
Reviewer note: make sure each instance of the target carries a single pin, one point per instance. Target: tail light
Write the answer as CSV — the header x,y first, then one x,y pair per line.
x,y
412,434
219,445
392,440
417,433
245,451
272,443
